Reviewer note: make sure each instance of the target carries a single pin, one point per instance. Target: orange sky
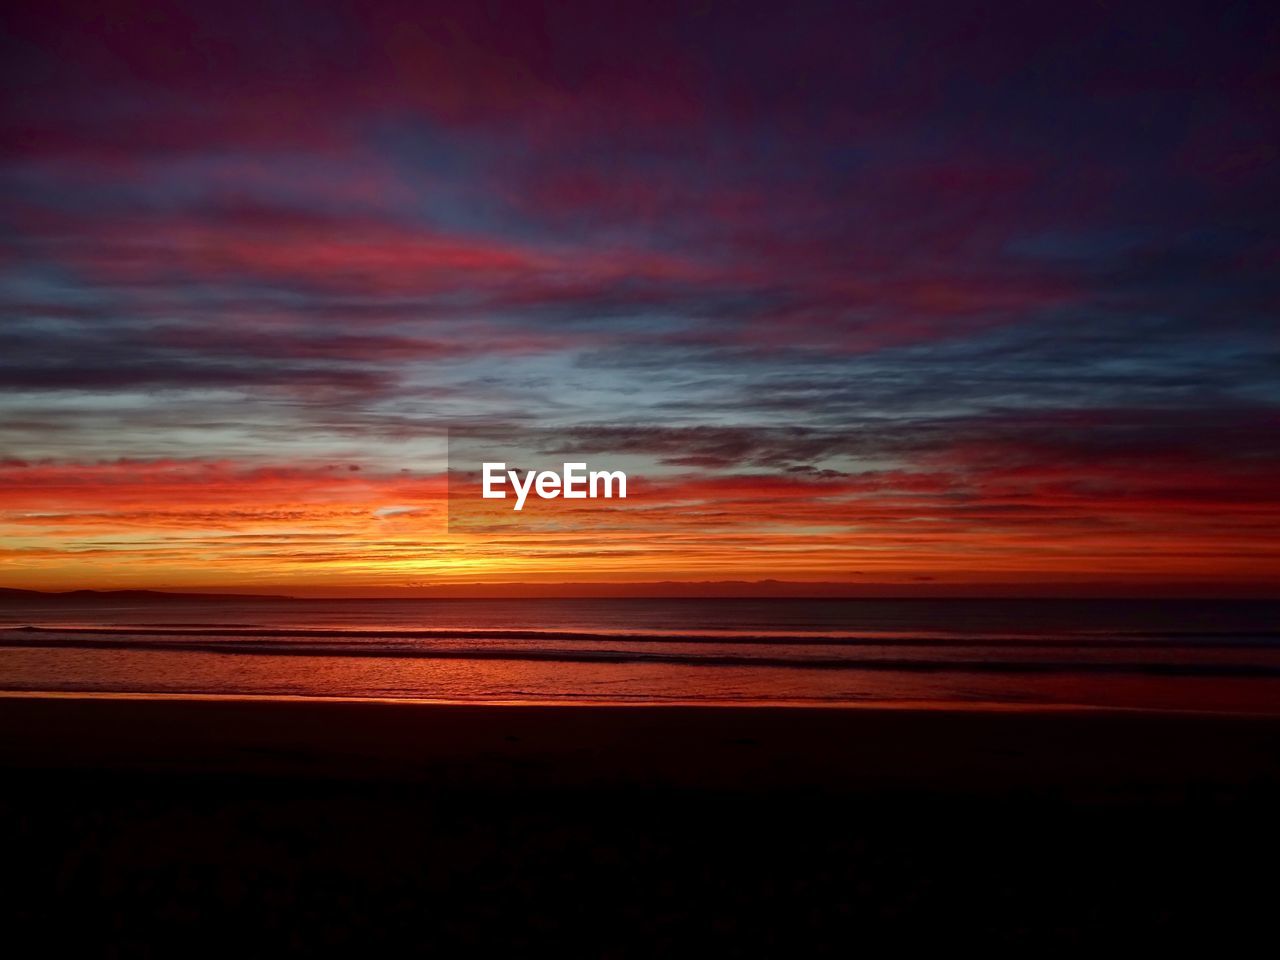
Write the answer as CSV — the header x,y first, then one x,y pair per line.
x,y
858,303
336,530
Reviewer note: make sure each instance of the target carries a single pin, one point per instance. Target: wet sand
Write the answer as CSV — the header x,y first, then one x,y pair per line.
x,y
308,827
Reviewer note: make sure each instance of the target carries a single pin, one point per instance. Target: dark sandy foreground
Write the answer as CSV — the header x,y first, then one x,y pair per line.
x,y
163,828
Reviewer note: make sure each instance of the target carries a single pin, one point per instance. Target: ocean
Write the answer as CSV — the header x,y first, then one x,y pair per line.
x,y
1153,654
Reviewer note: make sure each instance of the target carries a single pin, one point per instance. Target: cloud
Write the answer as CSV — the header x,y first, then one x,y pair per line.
x,y
916,292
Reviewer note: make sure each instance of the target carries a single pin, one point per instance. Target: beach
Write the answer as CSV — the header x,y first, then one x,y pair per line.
x,y
309,826
1221,656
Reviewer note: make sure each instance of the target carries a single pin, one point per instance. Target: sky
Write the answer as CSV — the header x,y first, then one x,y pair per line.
x,y
891,297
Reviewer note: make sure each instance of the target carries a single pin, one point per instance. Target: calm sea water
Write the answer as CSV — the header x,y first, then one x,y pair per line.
x,y
1181,654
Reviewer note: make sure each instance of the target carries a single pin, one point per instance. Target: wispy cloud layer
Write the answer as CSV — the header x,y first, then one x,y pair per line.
x,y
941,291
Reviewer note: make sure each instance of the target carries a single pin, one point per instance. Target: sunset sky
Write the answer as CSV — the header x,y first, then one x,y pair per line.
x,y
926,297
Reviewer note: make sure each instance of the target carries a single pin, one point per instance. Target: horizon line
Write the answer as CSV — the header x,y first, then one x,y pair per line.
x,y
683,590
